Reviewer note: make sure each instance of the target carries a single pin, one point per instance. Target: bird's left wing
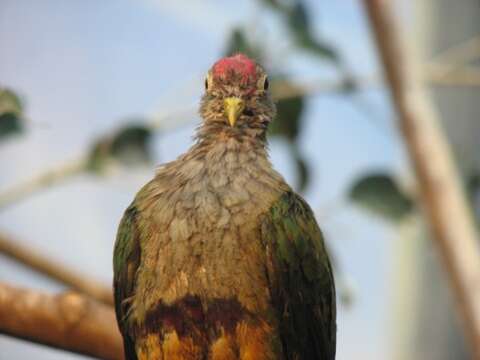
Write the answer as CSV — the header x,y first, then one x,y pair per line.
x,y
301,281
126,259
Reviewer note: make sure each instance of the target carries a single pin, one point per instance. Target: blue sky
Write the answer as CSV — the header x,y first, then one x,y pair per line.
x,y
84,67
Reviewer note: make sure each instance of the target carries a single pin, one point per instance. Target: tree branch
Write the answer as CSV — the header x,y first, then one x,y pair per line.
x,y
162,122
446,75
44,180
282,90
67,321
458,55
55,270
437,74
441,192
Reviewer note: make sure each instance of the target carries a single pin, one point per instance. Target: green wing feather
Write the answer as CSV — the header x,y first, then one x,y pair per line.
x,y
301,281
126,259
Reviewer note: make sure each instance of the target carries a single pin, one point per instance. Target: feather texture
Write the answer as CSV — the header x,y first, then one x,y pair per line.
x,y
301,280
216,257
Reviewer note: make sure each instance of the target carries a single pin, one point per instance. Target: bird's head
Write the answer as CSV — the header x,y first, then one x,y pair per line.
x,y
236,95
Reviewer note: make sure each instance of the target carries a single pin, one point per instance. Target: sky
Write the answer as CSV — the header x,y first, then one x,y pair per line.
x,y
86,67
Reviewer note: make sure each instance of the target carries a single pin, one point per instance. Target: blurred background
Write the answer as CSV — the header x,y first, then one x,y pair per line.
x,y
94,95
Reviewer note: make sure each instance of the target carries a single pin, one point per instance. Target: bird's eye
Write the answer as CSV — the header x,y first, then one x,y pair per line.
x,y
208,81
248,112
262,83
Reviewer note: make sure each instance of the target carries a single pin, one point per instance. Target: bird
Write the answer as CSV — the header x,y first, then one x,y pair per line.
x,y
217,258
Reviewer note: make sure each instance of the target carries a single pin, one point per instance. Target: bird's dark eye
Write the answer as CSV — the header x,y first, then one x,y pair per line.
x,y
248,112
266,84
206,84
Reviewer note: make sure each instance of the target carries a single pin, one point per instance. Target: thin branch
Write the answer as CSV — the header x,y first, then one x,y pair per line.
x,y
441,192
45,180
445,75
175,119
458,55
160,122
282,90
171,120
450,67
67,321
55,270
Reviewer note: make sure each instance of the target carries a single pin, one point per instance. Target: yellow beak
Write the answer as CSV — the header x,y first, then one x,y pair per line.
x,y
233,108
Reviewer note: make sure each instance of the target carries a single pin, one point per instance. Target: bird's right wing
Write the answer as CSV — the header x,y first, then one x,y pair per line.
x,y
126,259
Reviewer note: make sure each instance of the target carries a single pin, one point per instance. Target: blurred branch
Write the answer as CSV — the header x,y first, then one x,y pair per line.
x,y
175,119
82,164
450,67
43,181
458,55
55,270
282,90
171,120
67,321
444,74
441,193
160,122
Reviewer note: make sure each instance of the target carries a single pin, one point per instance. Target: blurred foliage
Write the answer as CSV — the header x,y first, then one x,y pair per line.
x,y
379,194
238,42
289,116
130,145
473,184
473,192
303,171
289,111
11,114
299,24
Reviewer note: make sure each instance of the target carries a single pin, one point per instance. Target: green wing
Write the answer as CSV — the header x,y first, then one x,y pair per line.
x,y
126,258
301,281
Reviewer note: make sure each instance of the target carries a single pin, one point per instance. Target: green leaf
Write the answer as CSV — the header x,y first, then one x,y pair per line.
x,y
303,172
287,122
130,146
99,156
289,113
11,114
473,184
299,24
349,84
239,42
274,4
379,194
297,19
473,193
